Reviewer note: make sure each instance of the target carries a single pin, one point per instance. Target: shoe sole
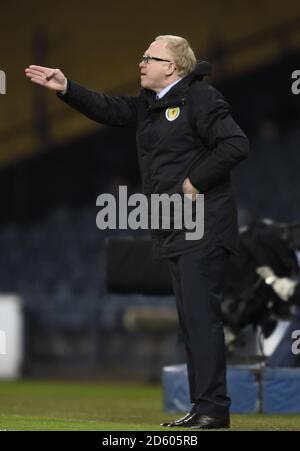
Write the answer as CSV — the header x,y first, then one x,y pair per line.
x,y
208,427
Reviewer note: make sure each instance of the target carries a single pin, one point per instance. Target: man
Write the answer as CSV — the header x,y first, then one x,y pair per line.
x,y
187,143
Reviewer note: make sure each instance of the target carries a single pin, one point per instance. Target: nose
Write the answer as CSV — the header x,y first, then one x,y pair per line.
x,y
141,64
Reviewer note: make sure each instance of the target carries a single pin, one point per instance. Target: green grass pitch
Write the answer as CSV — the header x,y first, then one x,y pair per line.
x,y
62,406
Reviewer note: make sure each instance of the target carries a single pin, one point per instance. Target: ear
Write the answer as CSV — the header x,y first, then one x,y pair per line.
x,y
171,68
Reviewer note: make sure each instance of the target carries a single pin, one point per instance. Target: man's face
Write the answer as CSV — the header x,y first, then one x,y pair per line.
x,y
154,74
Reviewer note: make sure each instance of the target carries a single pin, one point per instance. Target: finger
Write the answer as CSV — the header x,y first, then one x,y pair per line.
x,y
38,81
40,68
36,76
34,73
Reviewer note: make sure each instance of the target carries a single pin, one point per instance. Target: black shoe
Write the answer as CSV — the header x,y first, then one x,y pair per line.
x,y
181,421
200,421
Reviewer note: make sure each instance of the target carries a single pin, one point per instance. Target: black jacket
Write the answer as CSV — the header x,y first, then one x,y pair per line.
x,y
203,143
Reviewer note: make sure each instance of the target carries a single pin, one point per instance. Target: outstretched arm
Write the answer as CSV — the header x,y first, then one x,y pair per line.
x,y
116,111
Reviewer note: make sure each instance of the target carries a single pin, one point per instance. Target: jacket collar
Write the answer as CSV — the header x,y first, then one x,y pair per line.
x,y
175,96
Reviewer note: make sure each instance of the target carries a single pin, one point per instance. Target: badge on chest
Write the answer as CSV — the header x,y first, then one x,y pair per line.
x,y
172,113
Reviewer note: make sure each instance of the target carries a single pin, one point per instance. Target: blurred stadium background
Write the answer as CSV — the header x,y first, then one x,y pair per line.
x,y
54,164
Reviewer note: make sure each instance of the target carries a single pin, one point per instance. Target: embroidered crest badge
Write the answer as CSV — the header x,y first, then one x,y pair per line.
x,y
172,113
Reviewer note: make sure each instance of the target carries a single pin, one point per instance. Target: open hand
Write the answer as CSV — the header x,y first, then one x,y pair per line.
x,y
45,76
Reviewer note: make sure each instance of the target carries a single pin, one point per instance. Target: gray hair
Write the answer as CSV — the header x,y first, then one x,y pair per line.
x,y
182,53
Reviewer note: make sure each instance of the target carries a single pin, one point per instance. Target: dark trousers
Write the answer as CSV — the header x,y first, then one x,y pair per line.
x,y
198,281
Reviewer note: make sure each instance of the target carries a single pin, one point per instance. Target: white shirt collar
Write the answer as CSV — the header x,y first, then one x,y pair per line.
x,y
166,89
